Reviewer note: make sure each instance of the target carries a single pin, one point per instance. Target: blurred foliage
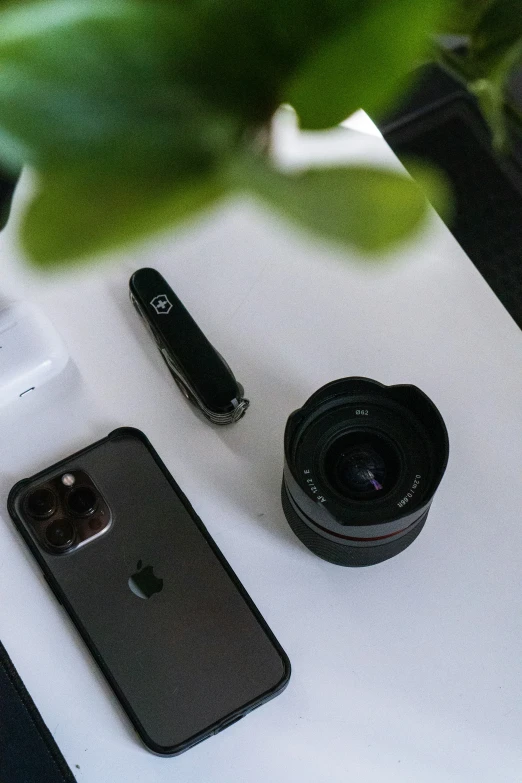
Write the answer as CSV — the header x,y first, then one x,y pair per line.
x,y
136,114
464,15
492,49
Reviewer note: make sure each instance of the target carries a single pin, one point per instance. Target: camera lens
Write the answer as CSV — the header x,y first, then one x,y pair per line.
x,y
82,501
362,464
41,503
60,533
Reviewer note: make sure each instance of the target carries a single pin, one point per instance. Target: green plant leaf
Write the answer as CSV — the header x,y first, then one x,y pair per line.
x,y
364,64
368,208
126,107
95,80
462,16
496,49
491,93
244,51
497,31
81,213
434,185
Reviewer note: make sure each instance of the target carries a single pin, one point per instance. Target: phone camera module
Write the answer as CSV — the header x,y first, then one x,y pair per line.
x,y
41,503
82,501
60,534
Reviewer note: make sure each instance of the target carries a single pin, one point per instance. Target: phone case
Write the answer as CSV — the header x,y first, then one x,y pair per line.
x,y
197,655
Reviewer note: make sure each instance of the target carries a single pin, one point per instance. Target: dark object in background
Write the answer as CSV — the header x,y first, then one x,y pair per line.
x,y
200,372
28,751
362,464
173,630
440,122
7,187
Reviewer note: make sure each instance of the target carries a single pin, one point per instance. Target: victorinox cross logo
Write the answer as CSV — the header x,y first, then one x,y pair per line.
x,y
161,304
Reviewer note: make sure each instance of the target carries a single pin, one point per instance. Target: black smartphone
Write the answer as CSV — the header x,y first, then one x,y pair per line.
x,y
171,627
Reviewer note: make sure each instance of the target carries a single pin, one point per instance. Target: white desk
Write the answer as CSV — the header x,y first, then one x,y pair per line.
x,y
409,671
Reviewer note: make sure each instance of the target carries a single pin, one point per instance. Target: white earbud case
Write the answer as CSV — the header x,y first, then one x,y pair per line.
x,y
31,351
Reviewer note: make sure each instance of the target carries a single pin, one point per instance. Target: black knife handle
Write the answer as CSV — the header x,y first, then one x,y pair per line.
x,y
200,371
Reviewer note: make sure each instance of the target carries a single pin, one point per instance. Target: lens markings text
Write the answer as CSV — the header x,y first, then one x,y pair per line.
x,y
409,495
313,488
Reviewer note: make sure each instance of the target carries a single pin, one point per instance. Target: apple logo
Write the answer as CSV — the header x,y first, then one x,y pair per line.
x,y
144,583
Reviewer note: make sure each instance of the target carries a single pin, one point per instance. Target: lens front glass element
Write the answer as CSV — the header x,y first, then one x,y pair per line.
x,y
41,503
362,465
60,533
82,501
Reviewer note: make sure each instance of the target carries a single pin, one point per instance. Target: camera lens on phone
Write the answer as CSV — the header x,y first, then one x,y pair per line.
x,y
362,464
82,501
60,533
41,503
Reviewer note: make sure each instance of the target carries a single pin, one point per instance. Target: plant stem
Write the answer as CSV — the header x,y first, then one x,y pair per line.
x,y
460,67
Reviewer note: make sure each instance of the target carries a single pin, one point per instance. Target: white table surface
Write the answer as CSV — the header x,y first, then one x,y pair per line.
x,y
408,671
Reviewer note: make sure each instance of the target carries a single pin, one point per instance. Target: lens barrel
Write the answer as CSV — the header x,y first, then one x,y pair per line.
x,y
362,464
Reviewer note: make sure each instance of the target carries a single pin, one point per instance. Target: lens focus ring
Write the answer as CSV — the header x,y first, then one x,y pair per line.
x,y
348,555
